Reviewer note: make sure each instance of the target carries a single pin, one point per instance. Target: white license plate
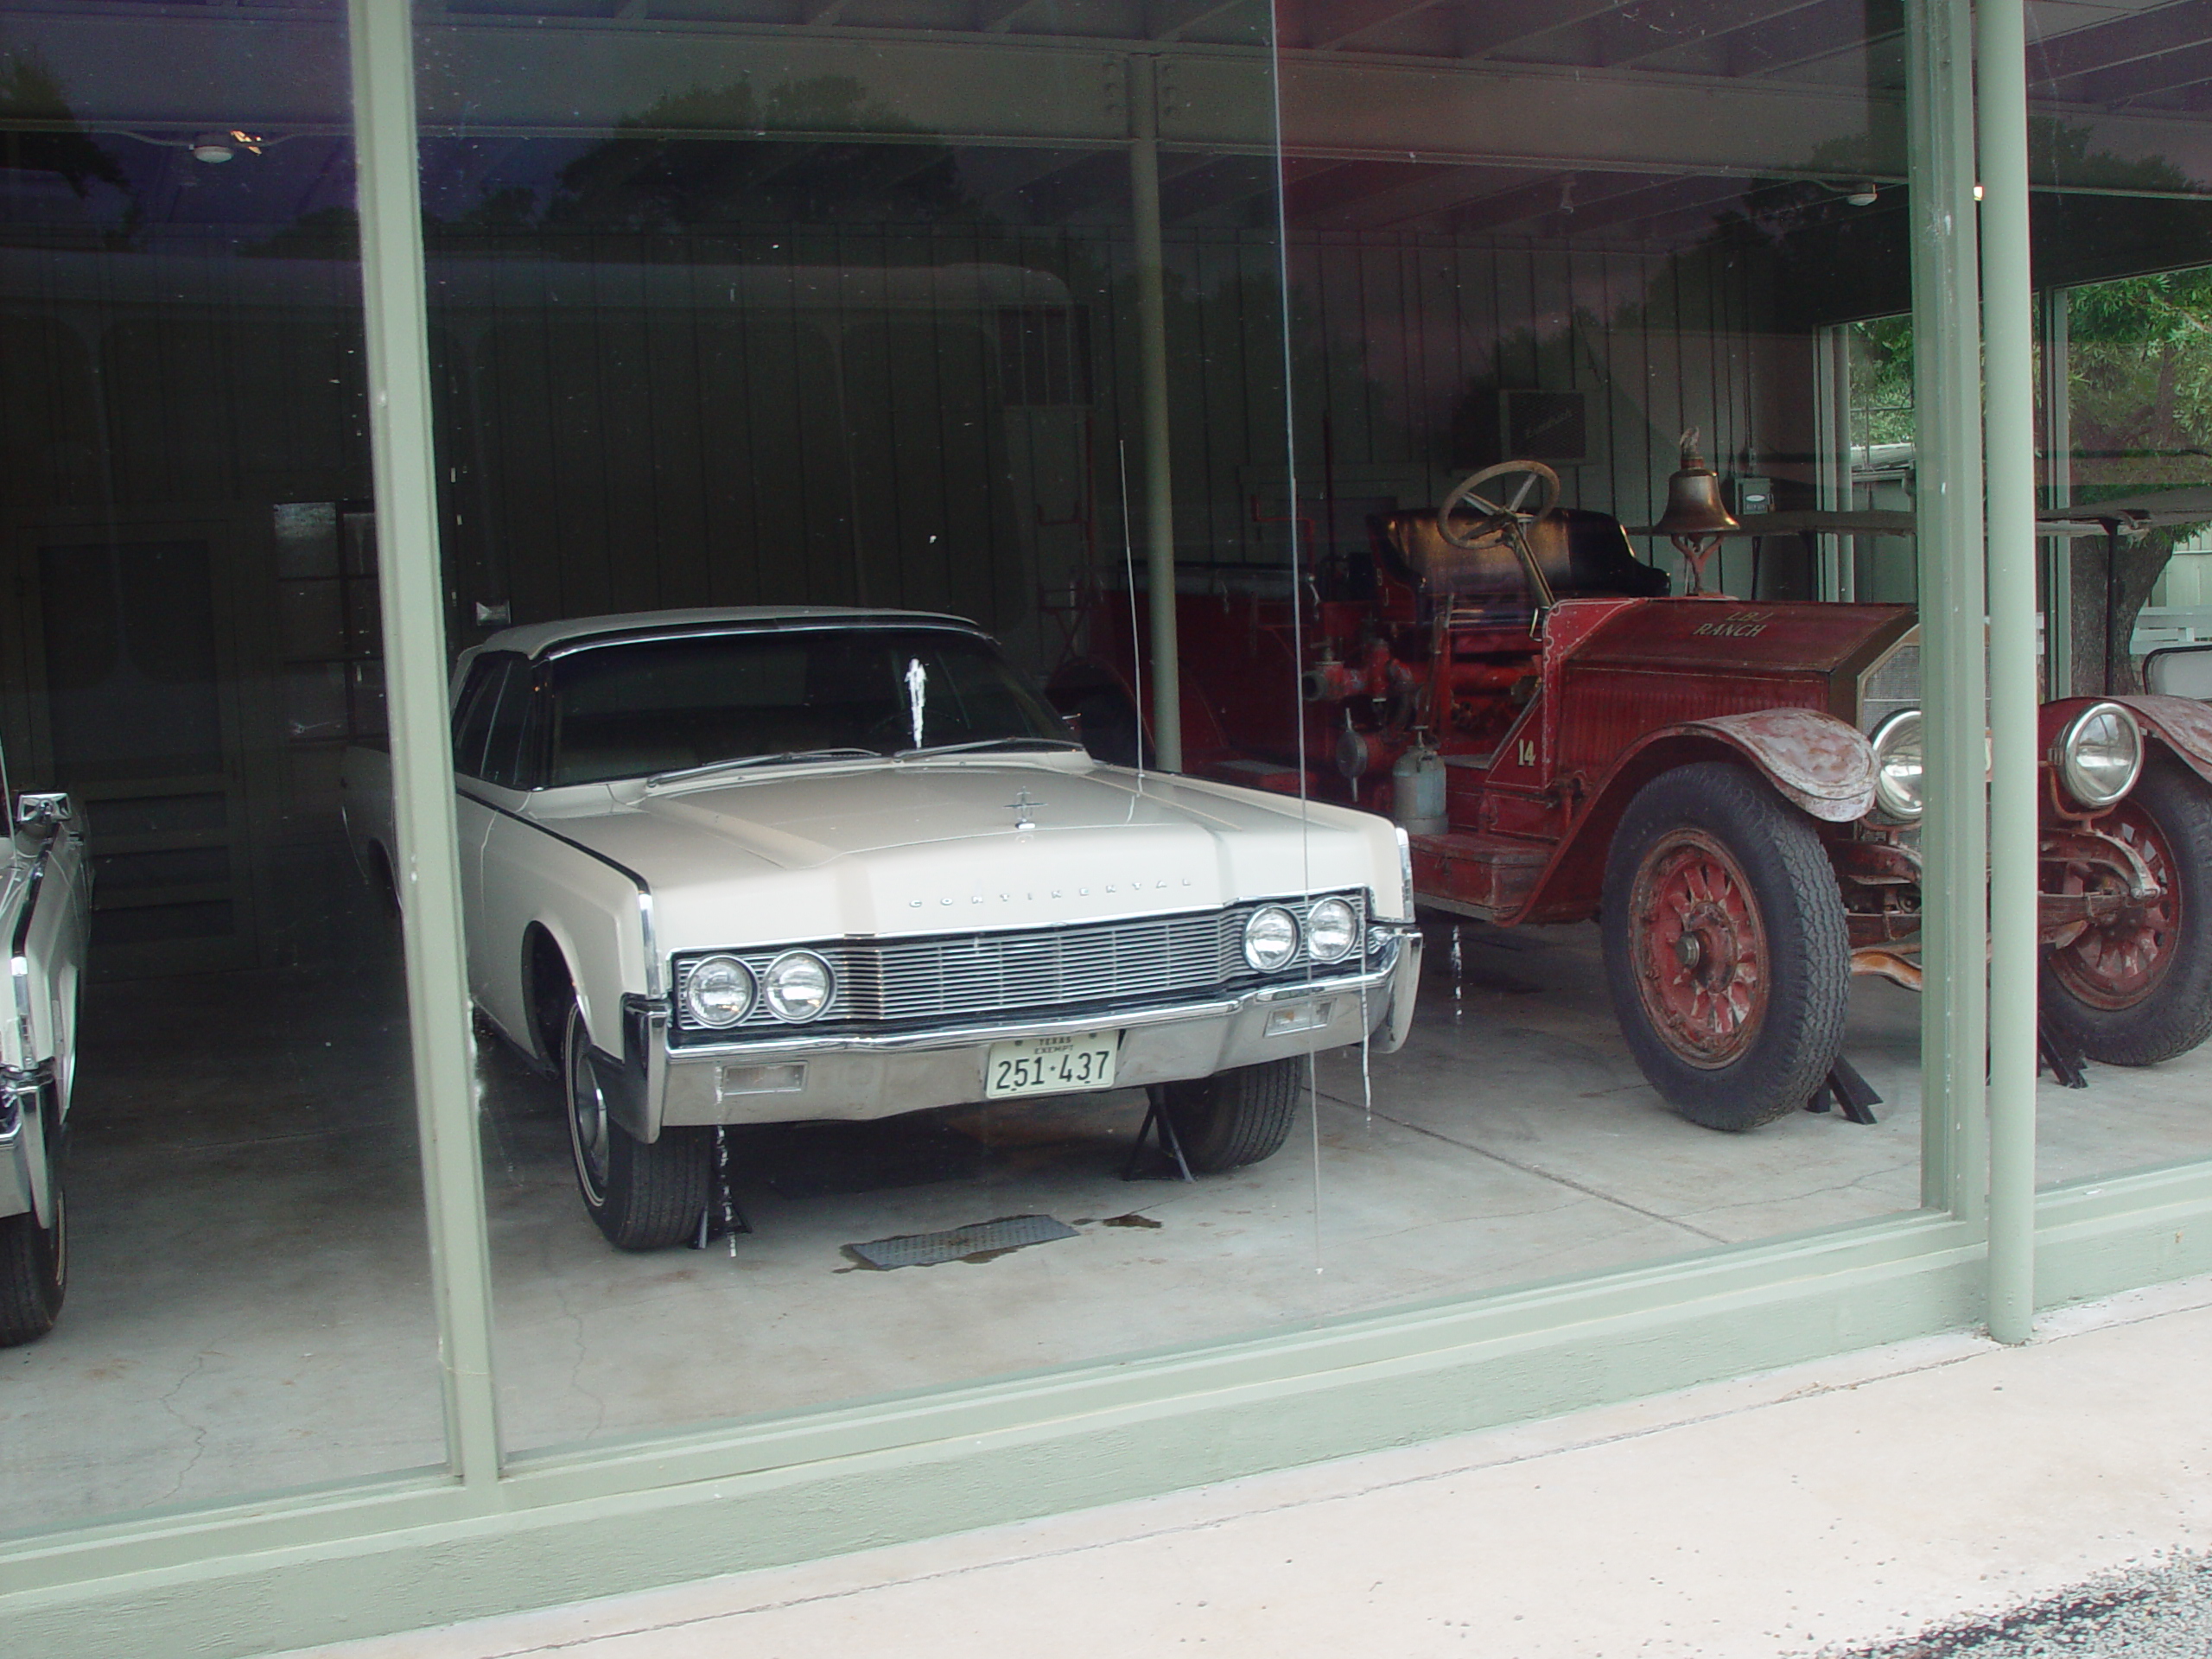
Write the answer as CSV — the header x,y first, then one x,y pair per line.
x,y
1050,1065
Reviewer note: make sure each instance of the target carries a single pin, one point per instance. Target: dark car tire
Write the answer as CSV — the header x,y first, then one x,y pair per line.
x,y
1741,1024
2139,989
1236,1117
643,1195
33,1269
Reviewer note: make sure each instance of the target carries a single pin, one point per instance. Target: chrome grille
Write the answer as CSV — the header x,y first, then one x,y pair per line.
x,y
958,976
1892,684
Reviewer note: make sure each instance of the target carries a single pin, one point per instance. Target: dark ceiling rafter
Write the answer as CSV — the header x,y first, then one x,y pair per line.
x,y
2168,73
1175,20
1826,30
2124,40
1486,30
1647,29
996,17
1329,27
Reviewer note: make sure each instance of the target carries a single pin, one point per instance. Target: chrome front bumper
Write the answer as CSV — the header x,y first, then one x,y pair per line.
x,y
867,1075
22,1096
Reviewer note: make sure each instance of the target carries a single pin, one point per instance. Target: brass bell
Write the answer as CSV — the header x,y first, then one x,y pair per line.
x,y
1695,519
1694,503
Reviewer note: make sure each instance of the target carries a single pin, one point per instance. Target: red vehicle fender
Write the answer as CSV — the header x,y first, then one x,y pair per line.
x,y
1824,764
2183,723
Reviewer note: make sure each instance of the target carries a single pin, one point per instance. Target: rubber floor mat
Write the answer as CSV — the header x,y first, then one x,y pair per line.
x,y
979,1241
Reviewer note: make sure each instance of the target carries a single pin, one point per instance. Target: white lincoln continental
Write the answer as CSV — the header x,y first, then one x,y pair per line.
x,y
765,865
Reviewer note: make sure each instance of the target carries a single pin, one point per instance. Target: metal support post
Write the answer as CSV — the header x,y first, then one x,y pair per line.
x,y
1152,361
2058,484
422,771
1948,500
1831,440
2008,326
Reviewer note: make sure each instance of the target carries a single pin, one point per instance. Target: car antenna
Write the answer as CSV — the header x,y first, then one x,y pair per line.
x,y
1129,570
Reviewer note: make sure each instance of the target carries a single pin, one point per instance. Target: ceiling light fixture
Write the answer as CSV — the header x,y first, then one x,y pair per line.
x,y
216,147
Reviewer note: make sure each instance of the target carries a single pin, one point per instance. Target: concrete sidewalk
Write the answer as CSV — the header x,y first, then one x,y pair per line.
x,y
1824,1506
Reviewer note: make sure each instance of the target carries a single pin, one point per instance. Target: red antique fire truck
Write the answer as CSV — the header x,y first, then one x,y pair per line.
x,y
1732,789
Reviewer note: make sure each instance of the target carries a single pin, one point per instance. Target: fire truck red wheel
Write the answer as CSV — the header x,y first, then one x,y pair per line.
x,y
2137,989
1725,945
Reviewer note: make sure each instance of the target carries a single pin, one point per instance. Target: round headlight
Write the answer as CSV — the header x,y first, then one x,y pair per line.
x,y
797,985
718,992
1332,930
1270,937
2099,753
1900,785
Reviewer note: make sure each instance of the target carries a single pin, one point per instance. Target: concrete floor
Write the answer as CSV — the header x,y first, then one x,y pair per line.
x,y
249,1307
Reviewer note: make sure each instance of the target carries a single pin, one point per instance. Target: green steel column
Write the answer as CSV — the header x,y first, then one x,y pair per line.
x,y
2058,482
1152,360
415,678
1948,502
2008,325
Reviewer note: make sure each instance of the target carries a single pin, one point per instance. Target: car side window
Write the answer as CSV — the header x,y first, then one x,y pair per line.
x,y
506,745
479,703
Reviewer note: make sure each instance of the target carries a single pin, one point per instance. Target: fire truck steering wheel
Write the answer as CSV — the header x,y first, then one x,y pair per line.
x,y
1484,506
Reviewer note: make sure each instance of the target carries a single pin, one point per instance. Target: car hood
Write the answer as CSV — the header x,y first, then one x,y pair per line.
x,y
901,850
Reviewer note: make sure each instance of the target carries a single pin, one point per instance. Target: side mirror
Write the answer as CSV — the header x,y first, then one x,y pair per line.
x,y
41,810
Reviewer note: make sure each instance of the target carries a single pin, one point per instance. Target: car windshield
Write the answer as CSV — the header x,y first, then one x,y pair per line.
x,y
637,708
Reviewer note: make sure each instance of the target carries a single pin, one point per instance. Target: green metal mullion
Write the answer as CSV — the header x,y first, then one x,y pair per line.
x,y
1152,368
382,37
2008,350
1948,498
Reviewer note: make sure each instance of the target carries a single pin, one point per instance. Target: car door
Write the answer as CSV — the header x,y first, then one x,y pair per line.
x,y
491,680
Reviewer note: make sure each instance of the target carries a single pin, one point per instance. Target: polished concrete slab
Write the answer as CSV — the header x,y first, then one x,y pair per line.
x,y
1805,1512
250,1309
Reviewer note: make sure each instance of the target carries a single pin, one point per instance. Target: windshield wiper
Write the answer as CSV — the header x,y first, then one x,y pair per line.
x,y
976,744
742,762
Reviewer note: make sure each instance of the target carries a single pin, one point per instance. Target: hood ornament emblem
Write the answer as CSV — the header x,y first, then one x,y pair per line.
x,y
1023,817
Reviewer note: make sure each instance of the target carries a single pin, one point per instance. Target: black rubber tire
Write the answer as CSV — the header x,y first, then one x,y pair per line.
x,y
33,1269
642,1195
2174,1014
1790,886
1236,1117
1110,727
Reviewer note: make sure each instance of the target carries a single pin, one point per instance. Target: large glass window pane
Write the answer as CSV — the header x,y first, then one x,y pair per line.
x,y
854,315
2123,252
1638,276
211,1060
1014,315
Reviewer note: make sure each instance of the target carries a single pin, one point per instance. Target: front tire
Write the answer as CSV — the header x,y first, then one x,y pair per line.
x,y
1725,949
2137,988
34,1265
1235,1117
642,1195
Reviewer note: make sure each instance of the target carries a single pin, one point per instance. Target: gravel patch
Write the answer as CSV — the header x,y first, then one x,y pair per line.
x,y
2161,1610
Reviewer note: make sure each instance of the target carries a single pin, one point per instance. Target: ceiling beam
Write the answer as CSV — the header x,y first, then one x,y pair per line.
x,y
1330,26
1650,28
996,17
1175,20
2131,39
1495,26
2150,77
1828,29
